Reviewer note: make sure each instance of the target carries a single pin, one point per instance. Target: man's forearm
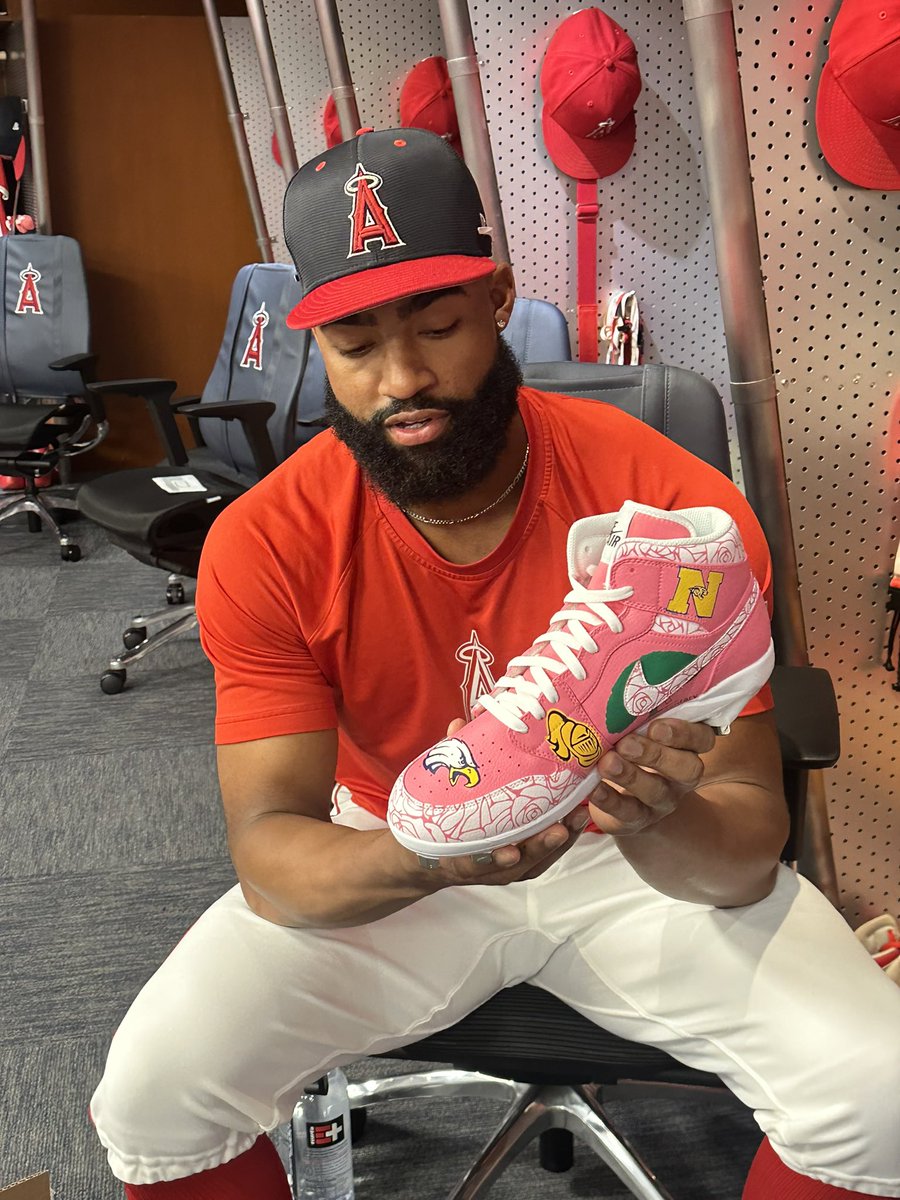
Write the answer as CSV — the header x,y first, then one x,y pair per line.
x,y
719,846
300,871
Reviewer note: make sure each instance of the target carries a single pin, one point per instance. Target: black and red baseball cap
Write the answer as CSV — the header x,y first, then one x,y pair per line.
x,y
858,101
590,82
384,215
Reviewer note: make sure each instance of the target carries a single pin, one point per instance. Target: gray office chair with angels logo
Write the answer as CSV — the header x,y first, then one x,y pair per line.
x,y
47,415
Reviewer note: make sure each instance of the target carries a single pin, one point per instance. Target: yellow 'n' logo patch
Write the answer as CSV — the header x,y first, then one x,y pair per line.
x,y
694,589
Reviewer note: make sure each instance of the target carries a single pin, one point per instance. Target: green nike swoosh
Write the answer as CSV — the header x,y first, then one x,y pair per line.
x,y
655,669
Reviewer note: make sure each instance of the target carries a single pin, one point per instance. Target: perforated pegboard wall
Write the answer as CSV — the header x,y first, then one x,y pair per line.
x,y
830,255
670,261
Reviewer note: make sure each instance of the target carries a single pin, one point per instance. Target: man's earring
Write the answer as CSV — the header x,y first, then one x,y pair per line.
x,y
501,324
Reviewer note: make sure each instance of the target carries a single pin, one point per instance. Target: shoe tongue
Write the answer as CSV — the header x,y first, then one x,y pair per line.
x,y
597,542
636,521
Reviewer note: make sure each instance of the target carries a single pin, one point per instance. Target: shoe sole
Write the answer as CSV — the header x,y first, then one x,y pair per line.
x,y
718,707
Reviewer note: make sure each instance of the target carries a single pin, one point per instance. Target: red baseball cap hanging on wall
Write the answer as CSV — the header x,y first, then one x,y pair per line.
x,y
426,101
590,82
858,102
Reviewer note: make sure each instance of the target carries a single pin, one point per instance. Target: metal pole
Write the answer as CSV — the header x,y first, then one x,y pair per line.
x,y
338,68
36,119
711,35
272,83
710,30
462,67
238,130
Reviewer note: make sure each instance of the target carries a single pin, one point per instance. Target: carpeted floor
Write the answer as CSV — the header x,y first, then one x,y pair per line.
x,y
111,843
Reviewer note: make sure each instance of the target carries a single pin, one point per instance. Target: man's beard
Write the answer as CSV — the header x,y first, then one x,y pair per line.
x,y
459,458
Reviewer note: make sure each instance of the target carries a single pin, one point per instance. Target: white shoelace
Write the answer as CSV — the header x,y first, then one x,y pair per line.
x,y
515,695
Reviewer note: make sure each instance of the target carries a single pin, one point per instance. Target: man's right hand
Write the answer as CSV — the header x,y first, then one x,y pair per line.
x,y
508,864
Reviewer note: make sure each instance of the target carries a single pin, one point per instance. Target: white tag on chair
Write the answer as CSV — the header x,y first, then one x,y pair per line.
x,y
179,483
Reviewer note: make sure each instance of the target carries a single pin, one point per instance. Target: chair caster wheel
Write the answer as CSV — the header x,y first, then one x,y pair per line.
x,y
175,593
134,636
70,553
112,682
358,1118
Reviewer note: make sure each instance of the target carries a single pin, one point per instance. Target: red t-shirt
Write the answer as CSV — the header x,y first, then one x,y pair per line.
x,y
321,606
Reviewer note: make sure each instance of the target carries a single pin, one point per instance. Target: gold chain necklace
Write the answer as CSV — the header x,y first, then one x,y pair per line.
x,y
481,512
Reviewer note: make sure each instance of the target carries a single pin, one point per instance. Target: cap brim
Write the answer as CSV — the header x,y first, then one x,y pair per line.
x,y
863,152
383,285
588,158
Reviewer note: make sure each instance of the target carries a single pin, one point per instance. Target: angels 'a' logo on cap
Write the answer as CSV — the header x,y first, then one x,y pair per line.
x,y
369,219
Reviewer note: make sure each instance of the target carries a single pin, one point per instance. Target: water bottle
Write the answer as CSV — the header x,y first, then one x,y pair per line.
x,y
322,1156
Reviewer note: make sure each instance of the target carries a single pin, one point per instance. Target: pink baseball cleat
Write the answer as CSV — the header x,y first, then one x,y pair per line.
x,y
664,616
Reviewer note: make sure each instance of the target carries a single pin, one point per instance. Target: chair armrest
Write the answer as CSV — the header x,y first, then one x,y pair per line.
x,y
82,363
179,402
253,415
134,387
157,394
806,715
229,410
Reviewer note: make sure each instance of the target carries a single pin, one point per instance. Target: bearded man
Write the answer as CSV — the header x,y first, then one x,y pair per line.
x,y
355,604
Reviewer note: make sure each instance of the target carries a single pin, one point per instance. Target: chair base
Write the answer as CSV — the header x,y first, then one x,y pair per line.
x,y
139,642
533,1109
39,513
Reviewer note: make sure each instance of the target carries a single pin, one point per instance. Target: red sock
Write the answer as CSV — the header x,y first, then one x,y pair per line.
x,y
770,1179
257,1174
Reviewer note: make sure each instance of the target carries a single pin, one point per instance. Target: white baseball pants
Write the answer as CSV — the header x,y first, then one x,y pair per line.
x,y
777,998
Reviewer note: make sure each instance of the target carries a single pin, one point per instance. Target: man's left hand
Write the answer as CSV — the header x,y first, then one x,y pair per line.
x,y
647,775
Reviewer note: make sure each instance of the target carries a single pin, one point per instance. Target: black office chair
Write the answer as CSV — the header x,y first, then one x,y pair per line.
x,y
256,408
553,1067
47,417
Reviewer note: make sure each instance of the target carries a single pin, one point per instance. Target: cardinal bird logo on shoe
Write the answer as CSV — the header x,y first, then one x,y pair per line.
x,y
369,219
572,739
29,300
254,348
457,758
